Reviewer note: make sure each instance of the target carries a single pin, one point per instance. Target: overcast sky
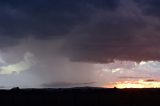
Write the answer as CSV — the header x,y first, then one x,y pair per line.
x,y
65,43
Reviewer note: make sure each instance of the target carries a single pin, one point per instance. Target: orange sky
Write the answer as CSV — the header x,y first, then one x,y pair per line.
x,y
134,84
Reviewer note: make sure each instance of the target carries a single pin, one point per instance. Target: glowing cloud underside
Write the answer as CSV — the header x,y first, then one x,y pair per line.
x,y
134,84
18,67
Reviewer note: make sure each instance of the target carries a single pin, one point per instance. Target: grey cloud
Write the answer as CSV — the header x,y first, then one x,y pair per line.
x,y
131,77
66,84
51,65
20,66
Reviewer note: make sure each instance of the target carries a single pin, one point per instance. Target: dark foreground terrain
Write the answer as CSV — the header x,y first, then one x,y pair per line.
x,y
80,97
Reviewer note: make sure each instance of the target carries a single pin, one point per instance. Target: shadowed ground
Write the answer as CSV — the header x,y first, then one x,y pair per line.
x,y
80,97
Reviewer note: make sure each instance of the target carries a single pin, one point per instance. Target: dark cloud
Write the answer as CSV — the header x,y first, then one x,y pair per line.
x,y
150,7
45,19
124,34
150,80
66,84
108,40
2,87
93,31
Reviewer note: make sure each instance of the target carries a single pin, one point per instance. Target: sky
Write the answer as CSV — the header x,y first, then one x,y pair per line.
x,y
67,43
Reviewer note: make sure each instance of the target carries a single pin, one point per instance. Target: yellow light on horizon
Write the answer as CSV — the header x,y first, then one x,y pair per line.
x,y
134,84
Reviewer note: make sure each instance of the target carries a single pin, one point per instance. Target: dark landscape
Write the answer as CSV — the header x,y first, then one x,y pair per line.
x,y
80,97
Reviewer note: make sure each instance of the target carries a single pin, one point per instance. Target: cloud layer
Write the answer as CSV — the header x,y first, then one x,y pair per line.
x,y
20,66
70,38
94,31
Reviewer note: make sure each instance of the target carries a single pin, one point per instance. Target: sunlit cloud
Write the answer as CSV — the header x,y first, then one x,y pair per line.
x,y
116,70
126,67
128,71
142,63
23,65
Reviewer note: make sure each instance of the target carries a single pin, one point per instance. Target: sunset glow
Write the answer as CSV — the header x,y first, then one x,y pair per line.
x,y
134,84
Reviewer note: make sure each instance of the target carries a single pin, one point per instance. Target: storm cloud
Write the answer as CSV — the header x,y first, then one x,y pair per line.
x,y
71,39
44,19
94,31
127,33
